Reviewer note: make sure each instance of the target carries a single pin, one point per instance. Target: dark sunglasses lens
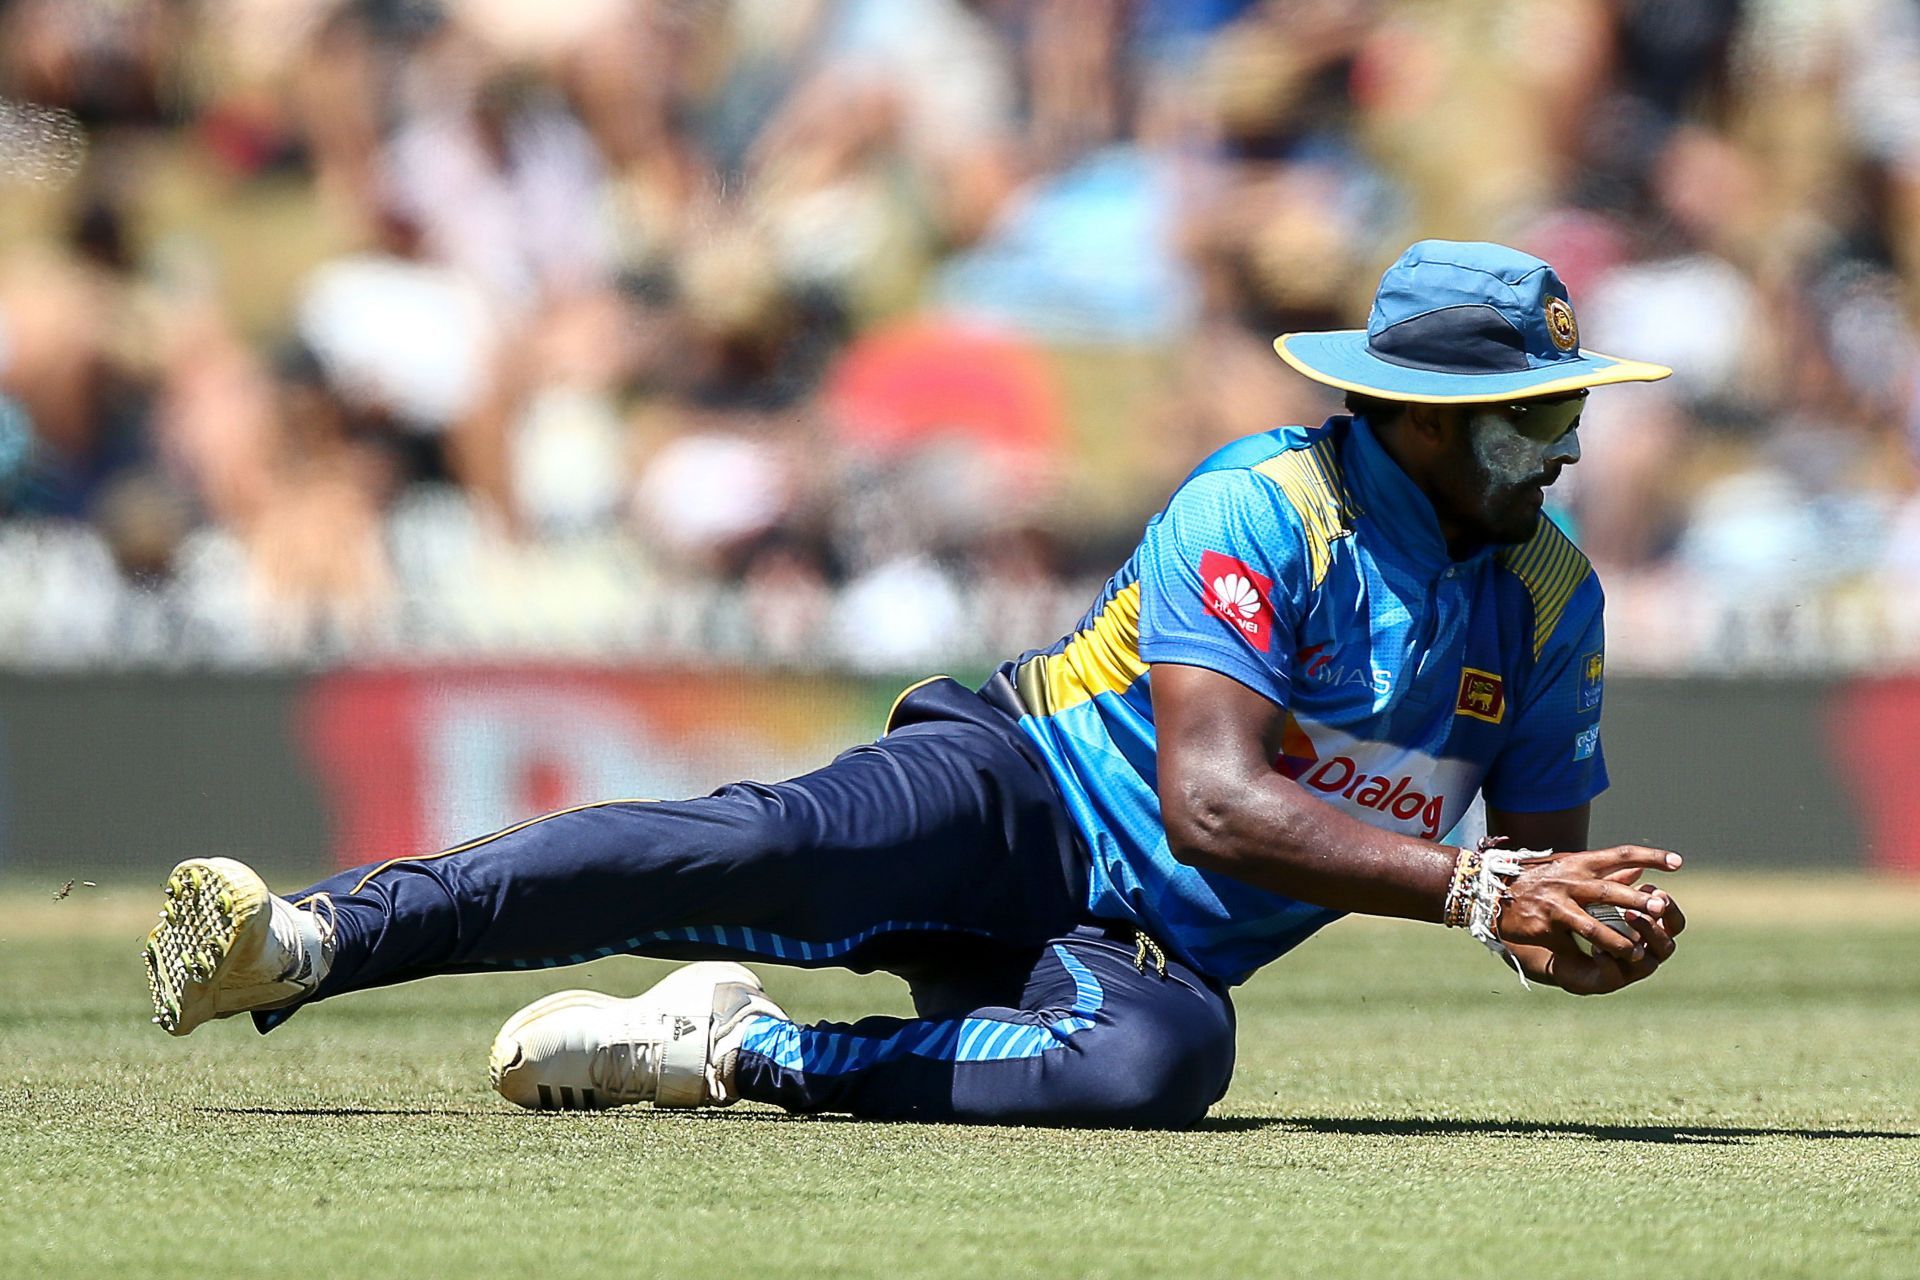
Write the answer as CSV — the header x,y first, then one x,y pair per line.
x,y
1546,421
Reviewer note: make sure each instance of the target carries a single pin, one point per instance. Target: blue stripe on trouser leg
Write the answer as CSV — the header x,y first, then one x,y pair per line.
x,y
949,824
1092,1041
829,1051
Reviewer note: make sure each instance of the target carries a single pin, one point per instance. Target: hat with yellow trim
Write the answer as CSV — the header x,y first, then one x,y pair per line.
x,y
1456,322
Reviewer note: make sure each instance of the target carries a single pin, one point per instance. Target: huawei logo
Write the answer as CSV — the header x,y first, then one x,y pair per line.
x,y
1232,592
1235,595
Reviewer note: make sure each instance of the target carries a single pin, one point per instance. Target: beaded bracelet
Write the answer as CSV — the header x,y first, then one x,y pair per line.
x,y
1457,910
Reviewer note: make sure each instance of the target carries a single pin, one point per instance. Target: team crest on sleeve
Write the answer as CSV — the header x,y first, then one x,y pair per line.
x,y
1592,668
1483,695
1238,596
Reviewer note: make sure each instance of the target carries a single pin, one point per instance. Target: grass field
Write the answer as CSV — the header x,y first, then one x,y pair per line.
x,y
1401,1108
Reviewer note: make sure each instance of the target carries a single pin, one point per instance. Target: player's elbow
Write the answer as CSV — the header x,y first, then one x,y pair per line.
x,y
1202,817
1237,826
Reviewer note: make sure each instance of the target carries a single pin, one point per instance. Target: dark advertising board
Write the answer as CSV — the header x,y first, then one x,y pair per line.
x,y
109,775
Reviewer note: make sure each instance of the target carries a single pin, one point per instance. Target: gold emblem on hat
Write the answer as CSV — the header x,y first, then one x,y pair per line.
x,y
1561,326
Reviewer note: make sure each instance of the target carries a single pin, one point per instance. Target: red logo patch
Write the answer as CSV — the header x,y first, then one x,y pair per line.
x,y
1237,596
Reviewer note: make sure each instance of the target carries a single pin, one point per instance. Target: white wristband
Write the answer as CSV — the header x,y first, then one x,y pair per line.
x,y
1481,875
1486,893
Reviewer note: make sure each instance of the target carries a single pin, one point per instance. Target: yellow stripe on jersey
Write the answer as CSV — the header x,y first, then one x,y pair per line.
x,y
1311,480
1551,568
1104,658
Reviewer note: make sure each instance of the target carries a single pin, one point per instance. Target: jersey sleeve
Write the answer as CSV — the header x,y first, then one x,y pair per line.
x,y
1554,760
1221,582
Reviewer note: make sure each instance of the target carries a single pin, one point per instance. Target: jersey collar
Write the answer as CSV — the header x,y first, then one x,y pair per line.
x,y
1395,505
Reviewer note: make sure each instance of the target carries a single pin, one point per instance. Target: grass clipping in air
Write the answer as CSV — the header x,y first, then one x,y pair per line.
x,y
1400,1107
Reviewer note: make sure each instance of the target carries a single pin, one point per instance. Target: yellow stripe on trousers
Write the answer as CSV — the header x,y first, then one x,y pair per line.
x,y
487,839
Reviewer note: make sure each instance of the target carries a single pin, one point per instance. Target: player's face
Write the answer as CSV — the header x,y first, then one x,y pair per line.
x,y
1508,455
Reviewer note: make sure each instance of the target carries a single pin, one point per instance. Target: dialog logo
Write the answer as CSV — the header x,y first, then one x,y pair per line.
x,y
1386,785
1483,695
1237,595
1399,797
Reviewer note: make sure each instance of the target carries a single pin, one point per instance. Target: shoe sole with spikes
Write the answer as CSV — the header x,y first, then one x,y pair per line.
x,y
216,914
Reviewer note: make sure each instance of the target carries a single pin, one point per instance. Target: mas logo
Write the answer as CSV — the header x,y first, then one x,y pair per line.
x,y
1237,596
1315,663
1592,668
1483,695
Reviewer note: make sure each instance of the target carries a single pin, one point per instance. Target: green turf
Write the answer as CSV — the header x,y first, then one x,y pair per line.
x,y
1400,1109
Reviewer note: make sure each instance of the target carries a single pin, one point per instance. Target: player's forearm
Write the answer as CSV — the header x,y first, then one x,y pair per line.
x,y
1268,832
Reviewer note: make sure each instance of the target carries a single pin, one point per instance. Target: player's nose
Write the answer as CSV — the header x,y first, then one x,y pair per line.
x,y
1566,449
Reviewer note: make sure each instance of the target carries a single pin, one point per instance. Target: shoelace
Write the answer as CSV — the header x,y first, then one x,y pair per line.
x,y
626,1068
326,919
320,909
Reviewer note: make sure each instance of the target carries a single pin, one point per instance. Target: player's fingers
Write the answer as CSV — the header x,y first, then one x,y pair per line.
x,y
1602,937
1660,903
1599,862
1586,975
1626,875
1620,895
1633,971
1673,919
1658,943
1654,934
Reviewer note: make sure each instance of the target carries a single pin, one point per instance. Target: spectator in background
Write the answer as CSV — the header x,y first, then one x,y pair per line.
x,y
557,296
70,340
501,179
411,343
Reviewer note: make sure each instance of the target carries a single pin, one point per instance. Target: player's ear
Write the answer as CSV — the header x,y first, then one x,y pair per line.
x,y
1434,425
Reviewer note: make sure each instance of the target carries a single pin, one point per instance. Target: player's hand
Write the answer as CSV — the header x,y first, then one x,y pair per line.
x,y
1566,966
1545,911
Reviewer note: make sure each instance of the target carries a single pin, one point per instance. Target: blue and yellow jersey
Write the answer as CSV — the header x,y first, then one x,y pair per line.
x,y
1304,564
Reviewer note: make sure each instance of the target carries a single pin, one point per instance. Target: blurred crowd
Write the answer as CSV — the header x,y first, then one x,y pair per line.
x,y
869,332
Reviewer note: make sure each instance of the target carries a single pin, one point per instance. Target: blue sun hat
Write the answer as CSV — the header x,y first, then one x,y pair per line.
x,y
1457,322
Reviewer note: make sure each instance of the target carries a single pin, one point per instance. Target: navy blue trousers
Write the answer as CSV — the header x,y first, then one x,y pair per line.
x,y
941,852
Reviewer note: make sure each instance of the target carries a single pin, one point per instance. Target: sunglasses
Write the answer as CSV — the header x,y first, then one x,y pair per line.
x,y
1543,421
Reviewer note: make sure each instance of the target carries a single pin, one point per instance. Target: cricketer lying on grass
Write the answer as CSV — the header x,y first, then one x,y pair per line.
x,y
1326,645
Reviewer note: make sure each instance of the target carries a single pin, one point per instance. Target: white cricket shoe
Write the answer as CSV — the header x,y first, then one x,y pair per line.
x,y
224,945
674,1045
